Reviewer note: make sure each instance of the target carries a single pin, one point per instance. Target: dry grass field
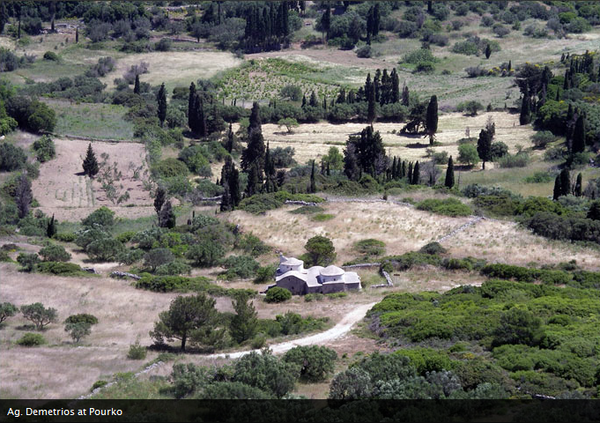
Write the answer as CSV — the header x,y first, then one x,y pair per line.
x,y
405,229
311,141
61,191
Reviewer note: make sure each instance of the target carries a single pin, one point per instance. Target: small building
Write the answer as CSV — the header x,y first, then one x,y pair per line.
x,y
292,276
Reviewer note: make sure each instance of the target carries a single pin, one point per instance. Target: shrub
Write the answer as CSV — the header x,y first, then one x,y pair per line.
x,y
539,178
31,340
471,106
252,245
105,249
164,44
137,351
44,149
370,247
425,67
50,55
29,262
543,138
433,248
468,48
99,384
11,157
516,160
419,56
278,295
449,207
169,168
364,52
315,362
265,274
240,267
102,217
468,154
54,252
59,268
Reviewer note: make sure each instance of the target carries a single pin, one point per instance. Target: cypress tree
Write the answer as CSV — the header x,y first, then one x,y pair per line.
x,y
23,196
161,98
253,180
255,122
449,182
51,228
313,186
225,200
254,153
579,135
90,164
488,51
565,182
136,86
314,101
76,35
159,199
484,147
403,169
395,168
431,121
230,140
166,217
557,189
326,21
192,107
372,111
410,173
579,185
416,179
395,95
525,116
509,65
234,187
405,96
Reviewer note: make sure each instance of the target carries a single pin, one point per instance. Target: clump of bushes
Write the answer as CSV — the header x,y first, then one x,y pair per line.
x,y
137,351
448,207
31,340
370,247
278,295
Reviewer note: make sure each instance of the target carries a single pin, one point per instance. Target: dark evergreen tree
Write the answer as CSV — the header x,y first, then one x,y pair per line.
x,y
226,200
201,128
159,199
76,35
3,16
484,147
351,164
579,185
136,85
409,174
405,96
90,164
192,107
254,121
326,21
230,139
51,228
23,196
416,176
488,51
254,180
579,135
161,99
314,101
254,153
449,182
557,189
313,186
166,217
565,182
372,107
431,121
395,81
525,116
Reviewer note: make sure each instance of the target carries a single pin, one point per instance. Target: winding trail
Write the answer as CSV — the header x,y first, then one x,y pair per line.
x,y
335,332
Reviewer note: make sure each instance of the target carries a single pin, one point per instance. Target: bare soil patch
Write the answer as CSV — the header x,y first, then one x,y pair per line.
x,y
62,191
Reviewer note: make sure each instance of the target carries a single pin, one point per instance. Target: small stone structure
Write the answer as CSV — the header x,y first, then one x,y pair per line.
x,y
292,276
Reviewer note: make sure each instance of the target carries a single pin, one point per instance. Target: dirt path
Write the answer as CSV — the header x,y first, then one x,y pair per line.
x,y
335,332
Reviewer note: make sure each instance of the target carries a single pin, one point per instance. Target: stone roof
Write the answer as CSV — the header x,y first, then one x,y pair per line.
x,y
332,271
291,261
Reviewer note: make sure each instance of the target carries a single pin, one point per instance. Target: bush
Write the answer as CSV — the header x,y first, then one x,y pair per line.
x,y
419,56
169,168
471,106
543,138
137,351
316,363
265,274
364,52
101,218
50,55
164,44
59,268
89,319
252,245
106,249
539,178
278,295
433,248
370,247
516,160
449,207
44,149
468,48
240,267
11,157
31,340
54,252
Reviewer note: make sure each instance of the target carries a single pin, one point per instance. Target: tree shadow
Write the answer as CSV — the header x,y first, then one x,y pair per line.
x,y
28,328
417,145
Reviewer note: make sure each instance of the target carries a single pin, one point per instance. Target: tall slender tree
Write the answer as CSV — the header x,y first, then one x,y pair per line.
x,y
431,120
525,116
166,217
51,228
90,164
244,324
449,182
161,99
484,147
565,182
579,185
192,112
416,177
23,196
159,199
579,135
313,186
557,190
136,85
